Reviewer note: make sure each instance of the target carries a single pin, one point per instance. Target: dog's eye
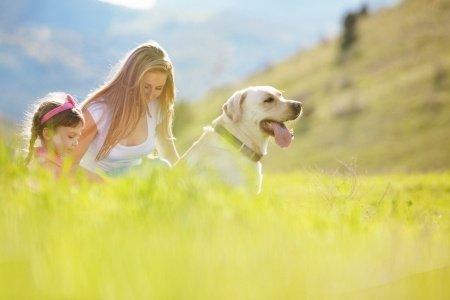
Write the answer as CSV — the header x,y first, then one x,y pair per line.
x,y
268,100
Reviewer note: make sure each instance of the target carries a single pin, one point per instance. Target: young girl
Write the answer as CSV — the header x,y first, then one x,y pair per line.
x,y
130,115
56,123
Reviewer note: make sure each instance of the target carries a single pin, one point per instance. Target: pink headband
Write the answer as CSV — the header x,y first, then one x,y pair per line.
x,y
69,104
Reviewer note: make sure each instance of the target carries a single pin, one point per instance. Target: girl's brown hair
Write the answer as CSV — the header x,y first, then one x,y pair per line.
x,y
34,129
123,94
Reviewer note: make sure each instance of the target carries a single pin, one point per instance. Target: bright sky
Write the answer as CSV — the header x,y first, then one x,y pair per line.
x,y
133,4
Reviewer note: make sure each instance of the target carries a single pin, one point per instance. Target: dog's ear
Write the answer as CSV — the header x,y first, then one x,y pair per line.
x,y
233,107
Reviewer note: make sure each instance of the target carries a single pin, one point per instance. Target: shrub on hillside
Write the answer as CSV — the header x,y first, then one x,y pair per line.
x,y
345,82
440,76
347,107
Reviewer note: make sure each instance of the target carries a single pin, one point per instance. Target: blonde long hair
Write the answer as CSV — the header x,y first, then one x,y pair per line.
x,y
124,97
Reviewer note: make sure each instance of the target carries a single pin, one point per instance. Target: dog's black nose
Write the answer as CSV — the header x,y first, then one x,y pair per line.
x,y
297,106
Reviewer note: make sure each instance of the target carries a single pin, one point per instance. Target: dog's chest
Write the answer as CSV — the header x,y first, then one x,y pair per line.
x,y
214,156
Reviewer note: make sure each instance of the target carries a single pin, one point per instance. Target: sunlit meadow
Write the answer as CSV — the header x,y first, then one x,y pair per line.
x,y
161,234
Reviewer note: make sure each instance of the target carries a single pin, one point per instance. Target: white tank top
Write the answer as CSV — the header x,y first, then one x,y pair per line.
x,y
121,158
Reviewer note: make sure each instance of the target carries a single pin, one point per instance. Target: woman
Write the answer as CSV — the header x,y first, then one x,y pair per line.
x,y
130,115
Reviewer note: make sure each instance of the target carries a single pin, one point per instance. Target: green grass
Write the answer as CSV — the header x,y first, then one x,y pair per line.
x,y
172,235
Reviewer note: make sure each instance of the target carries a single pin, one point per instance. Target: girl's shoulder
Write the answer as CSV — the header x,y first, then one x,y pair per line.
x,y
41,160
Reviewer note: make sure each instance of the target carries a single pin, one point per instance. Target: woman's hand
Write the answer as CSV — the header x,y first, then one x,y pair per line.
x,y
166,146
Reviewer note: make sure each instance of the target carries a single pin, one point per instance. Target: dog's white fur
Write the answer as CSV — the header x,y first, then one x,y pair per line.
x,y
241,116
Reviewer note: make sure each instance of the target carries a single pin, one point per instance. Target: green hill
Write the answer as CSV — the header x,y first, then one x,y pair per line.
x,y
7,128
385,108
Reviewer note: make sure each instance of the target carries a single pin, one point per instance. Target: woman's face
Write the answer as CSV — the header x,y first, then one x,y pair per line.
x,y
153,83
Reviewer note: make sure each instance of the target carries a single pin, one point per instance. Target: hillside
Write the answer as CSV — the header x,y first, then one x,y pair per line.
x,y
386,108
7,128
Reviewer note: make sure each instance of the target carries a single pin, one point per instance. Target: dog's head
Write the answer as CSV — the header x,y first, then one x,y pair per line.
x,y
265,109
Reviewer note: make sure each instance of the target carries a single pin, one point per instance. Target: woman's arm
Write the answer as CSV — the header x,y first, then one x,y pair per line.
x,y
88,134
166,146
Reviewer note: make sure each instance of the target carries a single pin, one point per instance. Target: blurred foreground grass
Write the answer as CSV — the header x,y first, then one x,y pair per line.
x,y
170,235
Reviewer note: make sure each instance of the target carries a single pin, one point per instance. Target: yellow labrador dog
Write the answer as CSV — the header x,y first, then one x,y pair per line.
x,y
231,148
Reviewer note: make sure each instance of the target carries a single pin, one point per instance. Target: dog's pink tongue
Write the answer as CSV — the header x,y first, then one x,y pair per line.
x,y
283,136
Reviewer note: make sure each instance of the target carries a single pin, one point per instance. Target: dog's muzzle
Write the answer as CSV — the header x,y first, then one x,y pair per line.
x,y
296,108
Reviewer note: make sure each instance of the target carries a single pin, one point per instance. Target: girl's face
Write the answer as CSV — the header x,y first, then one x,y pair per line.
x,y
63,139
153,83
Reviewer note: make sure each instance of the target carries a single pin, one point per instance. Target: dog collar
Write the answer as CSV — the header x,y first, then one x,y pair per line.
x,y
243,148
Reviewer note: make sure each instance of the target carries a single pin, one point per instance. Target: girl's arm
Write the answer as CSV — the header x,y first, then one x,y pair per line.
x,y
165,146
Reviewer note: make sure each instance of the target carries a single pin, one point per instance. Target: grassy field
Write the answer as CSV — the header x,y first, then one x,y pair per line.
x,y
169,235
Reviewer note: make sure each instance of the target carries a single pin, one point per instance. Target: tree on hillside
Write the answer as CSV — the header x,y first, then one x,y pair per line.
x,y
363,11
349,34
349,30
